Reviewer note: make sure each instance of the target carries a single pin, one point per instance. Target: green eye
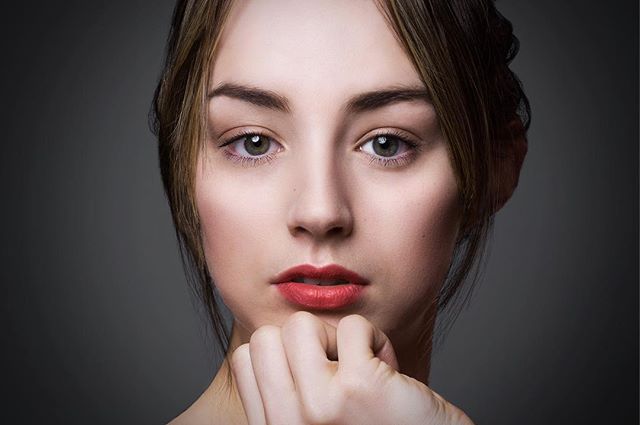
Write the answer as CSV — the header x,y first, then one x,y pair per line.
x,y
250,149
390,149
385,146
256,144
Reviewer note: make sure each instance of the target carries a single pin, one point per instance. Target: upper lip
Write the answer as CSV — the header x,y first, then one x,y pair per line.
x,y
328,272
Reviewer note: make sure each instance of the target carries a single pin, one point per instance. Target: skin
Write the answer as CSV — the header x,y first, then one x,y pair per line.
x,y
320,200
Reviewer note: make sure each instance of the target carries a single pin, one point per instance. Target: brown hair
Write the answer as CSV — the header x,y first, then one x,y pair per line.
x,y
461,50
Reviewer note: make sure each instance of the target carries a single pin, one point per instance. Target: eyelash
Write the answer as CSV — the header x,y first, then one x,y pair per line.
x,y
413,149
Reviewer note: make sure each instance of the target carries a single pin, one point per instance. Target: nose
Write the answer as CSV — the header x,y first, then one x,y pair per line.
x,y
320,208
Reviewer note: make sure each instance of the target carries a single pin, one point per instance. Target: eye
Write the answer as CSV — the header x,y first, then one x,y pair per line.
x,y
250,148
254,144
385,145
390,148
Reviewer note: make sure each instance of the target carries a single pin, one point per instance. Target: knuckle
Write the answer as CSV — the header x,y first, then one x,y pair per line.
x,y
353,321
354,386
300,321
451,413
240,356
264,336
320,414
439,408
301,317
459,417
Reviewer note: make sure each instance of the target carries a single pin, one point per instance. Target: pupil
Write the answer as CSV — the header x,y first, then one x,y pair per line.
x,y
256,145
385,146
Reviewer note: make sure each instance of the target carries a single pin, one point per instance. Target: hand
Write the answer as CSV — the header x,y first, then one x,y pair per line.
x,y
308,372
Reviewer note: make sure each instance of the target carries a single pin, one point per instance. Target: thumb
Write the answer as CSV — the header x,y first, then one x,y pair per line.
x,y
358,339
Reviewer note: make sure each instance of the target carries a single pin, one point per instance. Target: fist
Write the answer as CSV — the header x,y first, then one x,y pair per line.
x,y
309,372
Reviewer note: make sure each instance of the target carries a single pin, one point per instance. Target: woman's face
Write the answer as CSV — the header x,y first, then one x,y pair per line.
x,y
307,183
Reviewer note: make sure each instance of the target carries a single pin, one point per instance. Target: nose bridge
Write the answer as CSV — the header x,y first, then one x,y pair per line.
x,y
320,206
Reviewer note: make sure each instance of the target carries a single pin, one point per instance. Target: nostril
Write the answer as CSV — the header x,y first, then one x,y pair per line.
x,y
337,230
320,232
321,218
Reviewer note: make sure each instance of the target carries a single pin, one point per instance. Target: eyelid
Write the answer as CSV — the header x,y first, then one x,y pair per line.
x,y
413,145
403,135
227,140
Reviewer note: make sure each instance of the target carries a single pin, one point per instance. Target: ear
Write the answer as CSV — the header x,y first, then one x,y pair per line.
x,y
512,150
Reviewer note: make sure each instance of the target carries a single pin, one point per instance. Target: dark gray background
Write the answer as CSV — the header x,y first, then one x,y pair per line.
x,y
98,326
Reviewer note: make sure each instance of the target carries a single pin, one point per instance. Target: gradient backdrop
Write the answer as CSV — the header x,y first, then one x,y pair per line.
x,y
98,325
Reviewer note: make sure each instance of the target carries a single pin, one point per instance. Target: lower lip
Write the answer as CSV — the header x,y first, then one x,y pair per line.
x,y
320,297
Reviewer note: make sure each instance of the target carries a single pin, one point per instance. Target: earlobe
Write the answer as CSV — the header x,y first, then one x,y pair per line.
x,y
511,153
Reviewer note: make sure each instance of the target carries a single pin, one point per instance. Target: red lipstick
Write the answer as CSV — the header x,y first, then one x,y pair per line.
x,y
338,287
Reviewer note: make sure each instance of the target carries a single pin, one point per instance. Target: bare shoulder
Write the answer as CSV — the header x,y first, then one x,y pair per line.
x,y
197,414
217,405
206,410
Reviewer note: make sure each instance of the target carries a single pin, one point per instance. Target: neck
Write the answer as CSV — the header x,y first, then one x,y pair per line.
x,y
413,344
415,363
223,393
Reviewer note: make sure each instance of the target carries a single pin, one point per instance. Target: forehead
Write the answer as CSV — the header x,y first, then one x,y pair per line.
x,y
322,49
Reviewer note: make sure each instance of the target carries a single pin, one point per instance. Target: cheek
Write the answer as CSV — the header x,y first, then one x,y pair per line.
x,y
413,234
235,224
405,227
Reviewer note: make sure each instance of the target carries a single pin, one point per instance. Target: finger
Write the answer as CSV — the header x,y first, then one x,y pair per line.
x,y
358,341
275,383
311,348
247,386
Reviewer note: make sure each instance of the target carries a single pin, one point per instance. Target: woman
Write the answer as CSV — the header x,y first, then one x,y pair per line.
x,y
333,169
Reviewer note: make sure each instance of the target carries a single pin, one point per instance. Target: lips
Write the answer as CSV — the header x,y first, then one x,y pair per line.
x,y
331,272
328,287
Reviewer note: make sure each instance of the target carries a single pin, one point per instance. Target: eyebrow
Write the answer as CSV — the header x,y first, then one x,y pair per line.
x,y
363,102
256,96
369,101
